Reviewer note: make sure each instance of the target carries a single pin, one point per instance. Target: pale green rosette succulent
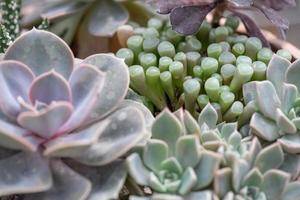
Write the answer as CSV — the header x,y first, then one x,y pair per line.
x,y
275,104
64,122
173,164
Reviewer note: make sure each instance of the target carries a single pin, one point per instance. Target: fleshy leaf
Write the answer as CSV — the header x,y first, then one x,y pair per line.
x,y
105,18
203,195
209,116
223,182
292,74
137,170
125,130
205,170
12,87
191,124
270,157
290,143
155,184
249,92
86,83
155,153
284,123
49,87
35,44
47,121
253,178
166,127
240,169
274,183
24,173
291,165
115,85
264,128
188,181
289,96
67,184
188,145
292,191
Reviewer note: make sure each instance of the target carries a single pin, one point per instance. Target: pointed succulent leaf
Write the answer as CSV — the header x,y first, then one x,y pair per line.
x,y
86,82
267,99
235,139
270,157
291,165
253,151
284,123
206,168
227,129
223,182
276,72
188,145
188,181
47,121
249,92
172,165
274,183
247,113
291,143
264,128
72,145
167,128
239,171
254,178
173,186
292,74
209,116
12,87
107,181
289,96
155,152
203,195
105,18
191,124
35,44
292,191
48,87
137,170
126,128
115,85
155,184
24,173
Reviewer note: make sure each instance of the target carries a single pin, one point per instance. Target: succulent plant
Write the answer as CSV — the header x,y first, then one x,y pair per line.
x,y
276,104
187,15
173,164
5,39
64,122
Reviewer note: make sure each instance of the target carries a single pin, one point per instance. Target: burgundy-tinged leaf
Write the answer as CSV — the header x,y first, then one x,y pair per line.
x,y
251,27
186,20
277,4
166,6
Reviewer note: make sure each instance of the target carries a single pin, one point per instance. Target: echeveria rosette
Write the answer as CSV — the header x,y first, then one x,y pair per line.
x,y
276,104
53,108
173,164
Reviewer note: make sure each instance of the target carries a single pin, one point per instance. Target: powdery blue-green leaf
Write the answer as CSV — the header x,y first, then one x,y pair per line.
x,y
253,178
253,151
284,123
276,72
12,87
188,181
139,198
35,44
289,96
155,152
203,195
172,186
291,165
107,181
247,113
290,143
267,99
24,173
86,82
48,87
235,139
249,92
292,74
264,128
206,168
270,157
158,196
292,191
223,182
209,116
274,183
167,128
188,145
239,171
125,130
105,18
115,85
227,129
46,122
137,170
67,184
172,165
155,184
191,124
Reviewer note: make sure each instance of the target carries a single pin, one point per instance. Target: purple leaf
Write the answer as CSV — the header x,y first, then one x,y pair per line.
x,y
15,80
187,19
46,122
49,87
277,4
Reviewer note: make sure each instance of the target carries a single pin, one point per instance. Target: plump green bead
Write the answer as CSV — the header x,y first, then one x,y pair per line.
x,y
173,36
225,46
198,71
242,75
221,33
135,43
153,82
203,33
285,54
238,49
181,47
167,84
150,45
231,40
202,101
212,35
148,59
243,59
234,111
226,100
177,70
265,55
227,72
150,33
252,46
191,89
230,30
181,57
241,39
166,48
233,22
212,87
155,23
193,58
139,31
214,50
127,55
138,79
209,66
224,88
260,69
219,77
227,58
193,44
164,63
